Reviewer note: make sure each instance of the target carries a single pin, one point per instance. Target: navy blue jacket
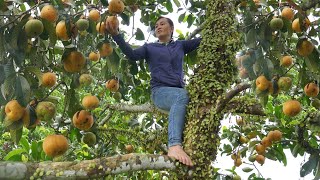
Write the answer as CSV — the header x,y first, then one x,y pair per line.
x,y
165,61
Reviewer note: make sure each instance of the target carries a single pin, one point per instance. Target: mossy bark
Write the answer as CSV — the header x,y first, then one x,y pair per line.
x,y
214,74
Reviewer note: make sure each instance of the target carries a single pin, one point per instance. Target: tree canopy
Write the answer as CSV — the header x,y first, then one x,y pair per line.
x,y
69,95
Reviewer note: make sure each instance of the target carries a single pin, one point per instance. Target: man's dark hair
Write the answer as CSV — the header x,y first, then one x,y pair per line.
x,y
169,21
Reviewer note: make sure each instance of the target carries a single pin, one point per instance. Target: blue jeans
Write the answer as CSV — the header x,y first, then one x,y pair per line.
x,y
175,101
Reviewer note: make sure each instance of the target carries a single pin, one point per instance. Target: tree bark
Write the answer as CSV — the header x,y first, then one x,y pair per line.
x,y
85,169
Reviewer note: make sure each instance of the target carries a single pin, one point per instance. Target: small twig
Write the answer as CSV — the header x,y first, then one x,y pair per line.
x,y
21,14
62,82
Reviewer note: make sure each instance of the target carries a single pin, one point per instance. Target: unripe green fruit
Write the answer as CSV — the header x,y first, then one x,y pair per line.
x,y
82,24
276,23
117,96
284,83
85,79
252,158
33,28
45,111
89,138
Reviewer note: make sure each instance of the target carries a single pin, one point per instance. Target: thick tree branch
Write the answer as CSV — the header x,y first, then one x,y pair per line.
x,y
237,106
223,102
196,31
145,108
86,169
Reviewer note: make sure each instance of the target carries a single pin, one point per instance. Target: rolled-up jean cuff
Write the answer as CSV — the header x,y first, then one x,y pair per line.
x,y
174,144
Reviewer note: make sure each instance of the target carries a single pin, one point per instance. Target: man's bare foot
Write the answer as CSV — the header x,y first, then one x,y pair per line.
x,y
178,153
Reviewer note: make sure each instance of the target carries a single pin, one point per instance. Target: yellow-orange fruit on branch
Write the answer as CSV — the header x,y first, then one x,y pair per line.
x,y
296,25
262,83
61,31
287,13
305,48
260,159
291,108
105,50
55,145
14,111
49,79
94,56
94,15
82,120
112,85
49,13
311,89
116,6
74,62
90,102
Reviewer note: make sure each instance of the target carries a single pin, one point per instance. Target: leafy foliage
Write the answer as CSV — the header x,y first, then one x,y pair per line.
x,y
23,60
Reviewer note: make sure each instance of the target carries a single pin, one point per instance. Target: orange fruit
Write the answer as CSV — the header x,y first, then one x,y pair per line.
x,y
116,7
112,85
14,111
113,21
90,102
286,61
94,15
287,13
105,50
277,135
49,13
311,89
100,27
61,31
291,108
262,83
129,148
260,159
260,149
305,48
296,25
55,145
266,142
94,56
237,162
49,79
82,120
74,62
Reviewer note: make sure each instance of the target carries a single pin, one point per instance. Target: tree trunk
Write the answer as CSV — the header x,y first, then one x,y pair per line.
x,y
215,73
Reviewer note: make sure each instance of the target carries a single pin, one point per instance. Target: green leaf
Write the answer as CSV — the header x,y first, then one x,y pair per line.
x,y
36,148
169,6
309,165
50,29
190,20
177,3
13,153
251,38
25,144
139,34
113,62
181,17
22,90
36,71
125,19
16,134
133,67
247,169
